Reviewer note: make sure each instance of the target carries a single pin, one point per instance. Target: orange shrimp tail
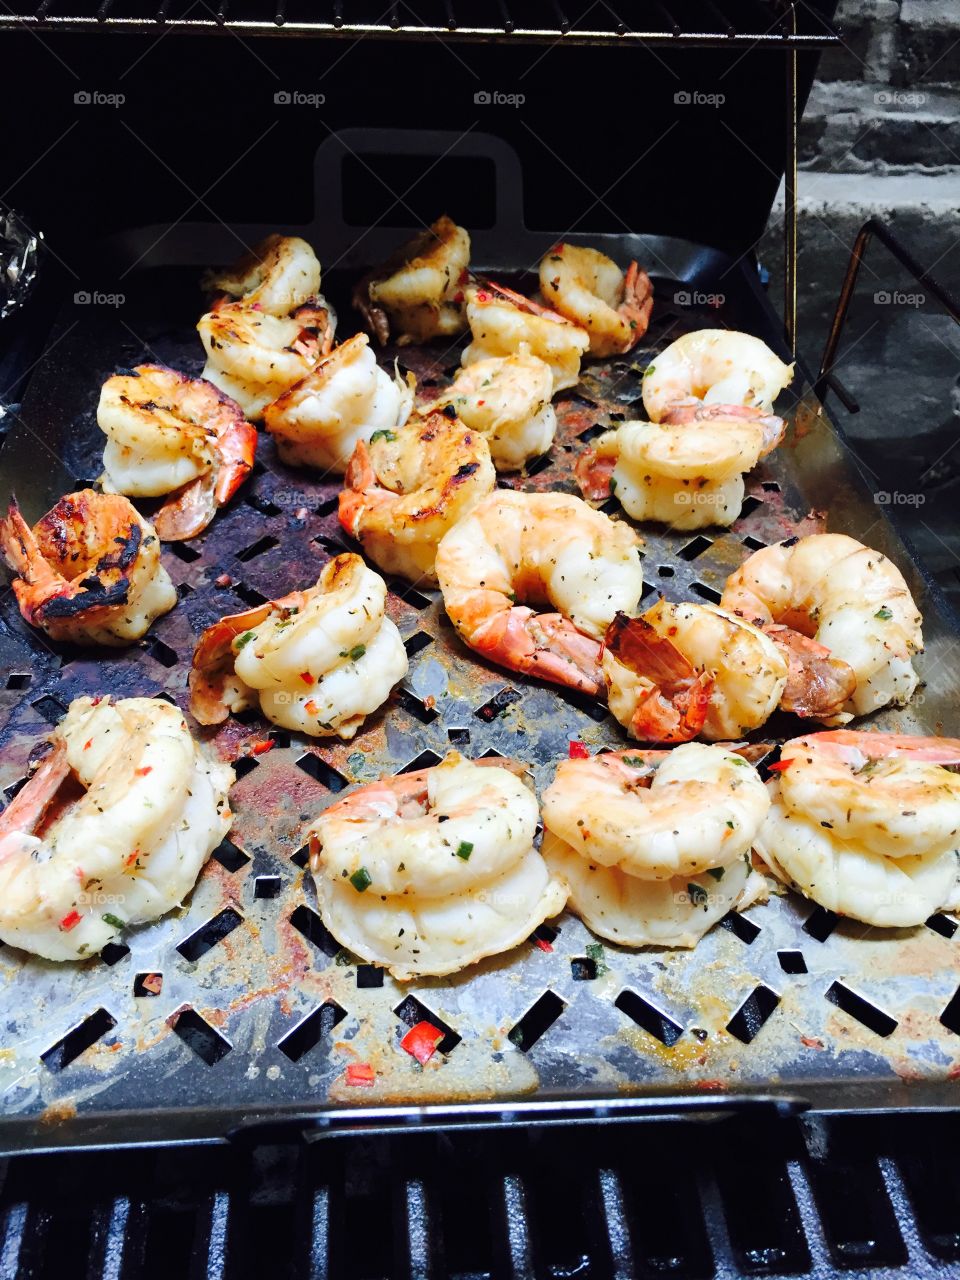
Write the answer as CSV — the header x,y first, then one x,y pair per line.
x,y
358,482
675,706
237,448
37,582
546,645
853,742
25,811
817,683
490,291
188,510
637,303
673,719
593,475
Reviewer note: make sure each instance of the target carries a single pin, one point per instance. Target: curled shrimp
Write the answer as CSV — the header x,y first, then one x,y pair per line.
x,y
145,809
687,475
88,571
590,289
345,398
519,547
867,824
417,294
653,845
318,661
714,367
849,599
405,490
170,434
683,670
429,872
278,275
253,356
507,398
501,320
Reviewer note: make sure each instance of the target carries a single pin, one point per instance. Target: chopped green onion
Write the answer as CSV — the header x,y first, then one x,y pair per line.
x,y
114,921
244,639
383,435
357,652
361,879
464,850
883,613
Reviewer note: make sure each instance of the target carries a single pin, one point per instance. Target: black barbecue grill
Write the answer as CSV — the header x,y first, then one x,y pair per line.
x,y
557,1133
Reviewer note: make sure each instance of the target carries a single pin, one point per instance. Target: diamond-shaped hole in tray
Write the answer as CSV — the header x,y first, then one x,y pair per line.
x,y
147,984
820,924
19,679
792,962
52,709
649,1017
306,921
410,1011
497,705
583,968
77,1040
267,886
258,548
541,1015
321,771
369,977
418,641
740,927
415,706
867,1014
199,1036
747,1022
425,760
942,924
210,934
230,856
309,1031
695,547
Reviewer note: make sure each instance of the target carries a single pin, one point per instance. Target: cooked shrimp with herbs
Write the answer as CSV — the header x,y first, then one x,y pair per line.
x,y
278,275
867,824
404,491
515,550
507,398
111,830
418,293
719,370
590,289
654,845
849,601
318,661
346,398
168,434
502,321
88,571
428,872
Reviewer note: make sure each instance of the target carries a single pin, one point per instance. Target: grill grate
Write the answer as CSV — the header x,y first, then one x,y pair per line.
x,y
777,23
257,1008
745,1197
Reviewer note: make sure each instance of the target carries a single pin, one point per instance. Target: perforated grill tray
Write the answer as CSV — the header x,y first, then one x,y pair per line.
x,y
260,1012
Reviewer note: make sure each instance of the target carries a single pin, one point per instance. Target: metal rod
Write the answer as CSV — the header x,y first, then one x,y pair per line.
x,y
790,196
874,227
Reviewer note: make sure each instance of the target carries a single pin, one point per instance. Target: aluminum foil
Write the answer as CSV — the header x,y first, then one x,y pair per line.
x,y
19,255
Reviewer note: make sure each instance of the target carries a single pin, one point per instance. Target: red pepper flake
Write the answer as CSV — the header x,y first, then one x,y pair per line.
x,y
142,773
310,707
811,1042
70,921
543,944
361,1074
480,402
224,580
458,297
482,295
88,744
262,747
132,859
578,751
307,678
421,1041
780,765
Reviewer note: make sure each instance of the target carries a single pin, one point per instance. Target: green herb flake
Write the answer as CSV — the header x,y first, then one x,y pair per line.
x,y
731,825
464,850
595,952
698,894
244,639
357,652
716,872
383,435
883,614
361,879
113,921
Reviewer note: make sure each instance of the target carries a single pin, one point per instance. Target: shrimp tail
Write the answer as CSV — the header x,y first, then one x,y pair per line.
x,y
855,744
236,449
36,582
546,645
637,301
818,684
594,474
674,707
188,510
683,412
26,809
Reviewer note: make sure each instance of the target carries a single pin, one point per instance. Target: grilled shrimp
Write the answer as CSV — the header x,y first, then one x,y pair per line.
x,y
849,599
278,275
346,398
683,670
717,367
89,570
590,289
685,474
403,492
508,399
429,872
417,294
866,824
170,434
501,320
74,872
519,547
318,661
653,845
253,356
